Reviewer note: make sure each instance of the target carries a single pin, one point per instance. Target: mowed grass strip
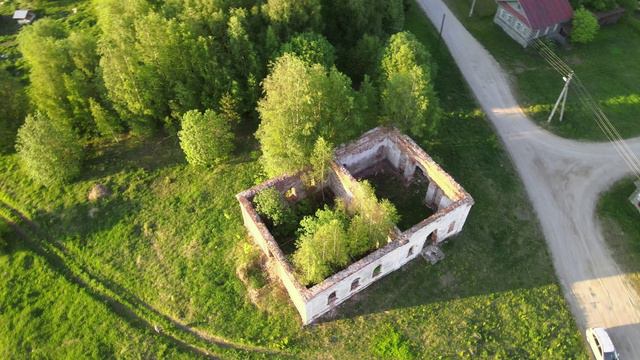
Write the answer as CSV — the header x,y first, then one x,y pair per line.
x,y
170,233
608,68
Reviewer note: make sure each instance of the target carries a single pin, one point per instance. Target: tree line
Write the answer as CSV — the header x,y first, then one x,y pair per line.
x,y
295,70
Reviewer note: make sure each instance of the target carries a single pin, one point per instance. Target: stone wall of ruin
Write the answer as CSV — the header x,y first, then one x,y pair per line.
x,y
443,193
391,257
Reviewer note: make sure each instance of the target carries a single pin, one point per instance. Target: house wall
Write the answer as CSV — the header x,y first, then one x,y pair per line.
x,y
518,30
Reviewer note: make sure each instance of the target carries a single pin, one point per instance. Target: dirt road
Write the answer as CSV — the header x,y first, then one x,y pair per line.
x,y
564,180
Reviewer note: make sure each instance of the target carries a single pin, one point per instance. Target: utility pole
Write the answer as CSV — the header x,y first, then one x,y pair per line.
x,y
473,7
441,28
562,98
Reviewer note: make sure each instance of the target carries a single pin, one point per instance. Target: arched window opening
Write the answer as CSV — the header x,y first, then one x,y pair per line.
x,y
410,251
355,284
377,271
332,298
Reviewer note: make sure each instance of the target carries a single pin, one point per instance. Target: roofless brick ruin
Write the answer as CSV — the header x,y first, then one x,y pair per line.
x,y
378,147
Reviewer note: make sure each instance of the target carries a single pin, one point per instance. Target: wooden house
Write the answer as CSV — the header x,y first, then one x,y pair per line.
x,y
527,20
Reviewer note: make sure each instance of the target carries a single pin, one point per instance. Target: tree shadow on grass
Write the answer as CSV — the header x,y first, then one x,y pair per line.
x,y
83,220
124,303
481,261
8,26
108,158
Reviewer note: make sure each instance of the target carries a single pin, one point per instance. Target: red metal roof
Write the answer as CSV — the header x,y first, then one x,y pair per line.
x,y
543,13
515,13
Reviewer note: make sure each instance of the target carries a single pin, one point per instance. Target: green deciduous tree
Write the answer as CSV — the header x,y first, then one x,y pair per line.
x,y
322,245
596,5
629,5
244,58
348,21
373,220
364,58
367,106
585,26
50,153
205,138
312,48
408,98
292,16
13,110
273,206
61,72
133,85
320,162
106,123
301,103
331,238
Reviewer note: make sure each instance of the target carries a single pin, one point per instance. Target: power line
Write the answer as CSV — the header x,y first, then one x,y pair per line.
x,y
591,106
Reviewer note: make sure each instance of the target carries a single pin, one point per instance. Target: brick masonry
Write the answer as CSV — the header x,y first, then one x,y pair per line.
x,y
452,202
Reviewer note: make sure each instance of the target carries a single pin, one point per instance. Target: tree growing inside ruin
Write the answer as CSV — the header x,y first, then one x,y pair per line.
x,y
206,138
320,163
322,247
272,205
49,152
332,238
373,221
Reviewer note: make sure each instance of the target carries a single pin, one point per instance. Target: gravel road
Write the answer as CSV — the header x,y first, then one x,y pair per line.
x,y
564,180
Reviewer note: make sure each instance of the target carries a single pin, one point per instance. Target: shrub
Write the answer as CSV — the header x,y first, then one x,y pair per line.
x,y
389,344
585,26
206,138
249,266
50,153
272,205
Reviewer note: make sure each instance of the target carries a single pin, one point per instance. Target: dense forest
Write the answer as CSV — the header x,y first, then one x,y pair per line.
x,y
212,71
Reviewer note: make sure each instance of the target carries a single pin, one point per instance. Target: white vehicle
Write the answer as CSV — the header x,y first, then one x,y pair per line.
x,y
601,344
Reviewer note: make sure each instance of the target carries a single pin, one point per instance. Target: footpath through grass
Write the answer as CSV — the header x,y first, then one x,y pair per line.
x,y
609,68
171,235
621,223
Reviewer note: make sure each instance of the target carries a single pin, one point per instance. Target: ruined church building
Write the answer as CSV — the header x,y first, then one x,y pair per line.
x,y
444,195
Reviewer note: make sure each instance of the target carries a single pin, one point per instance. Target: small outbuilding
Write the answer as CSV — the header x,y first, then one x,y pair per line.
x,y
527,20
24,17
